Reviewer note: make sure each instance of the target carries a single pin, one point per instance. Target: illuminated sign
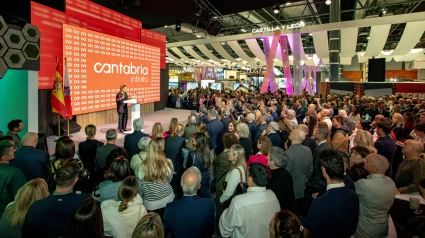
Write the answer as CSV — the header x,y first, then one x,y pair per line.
x,y
279,28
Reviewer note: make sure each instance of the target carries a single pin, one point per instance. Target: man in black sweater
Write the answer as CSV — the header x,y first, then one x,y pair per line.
x,y
385,145
49,217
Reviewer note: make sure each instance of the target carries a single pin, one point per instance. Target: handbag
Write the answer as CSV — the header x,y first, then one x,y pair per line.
x,y
214,183
240,189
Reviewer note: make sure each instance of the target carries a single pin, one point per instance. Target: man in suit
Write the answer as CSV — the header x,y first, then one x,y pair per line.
x,y
226,120
261,127
32,162
271,130
376,194
204,116
102,152
191,126
299,163
320,135
250,118
191,216
215,129
15,126
12,178
385,145
173,148
308,141
335,213
131,141
57,208
300,110
380,111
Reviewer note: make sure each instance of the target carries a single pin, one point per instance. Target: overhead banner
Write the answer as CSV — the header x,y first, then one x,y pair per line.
x,y
98,64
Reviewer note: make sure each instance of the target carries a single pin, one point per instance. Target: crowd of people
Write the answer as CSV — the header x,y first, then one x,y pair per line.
x,y
245,164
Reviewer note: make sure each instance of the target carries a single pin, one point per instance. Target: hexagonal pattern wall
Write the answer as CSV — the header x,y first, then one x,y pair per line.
x,y
14,58
19,46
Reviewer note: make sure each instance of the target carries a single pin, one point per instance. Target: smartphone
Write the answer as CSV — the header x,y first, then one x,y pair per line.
x,y
367,117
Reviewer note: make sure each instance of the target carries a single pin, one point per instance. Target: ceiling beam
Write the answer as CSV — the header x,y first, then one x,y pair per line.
x,y
412,17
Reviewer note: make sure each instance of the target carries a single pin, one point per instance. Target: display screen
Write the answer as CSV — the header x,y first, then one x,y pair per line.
x,y
215,86
192,86
99,64
205,83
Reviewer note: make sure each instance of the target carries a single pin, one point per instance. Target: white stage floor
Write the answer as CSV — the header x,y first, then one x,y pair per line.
x,y
162,116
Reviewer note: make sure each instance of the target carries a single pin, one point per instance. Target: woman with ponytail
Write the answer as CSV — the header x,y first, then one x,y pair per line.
x,y
121,217
286,224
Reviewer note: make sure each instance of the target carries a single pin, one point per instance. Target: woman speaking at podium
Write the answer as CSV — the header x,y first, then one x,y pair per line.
x,y
122,108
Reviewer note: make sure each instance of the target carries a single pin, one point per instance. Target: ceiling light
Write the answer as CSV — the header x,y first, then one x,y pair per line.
x,y
419,41
178,26
199,36
328,2
223,43
276,9
198,11
288,3
211,51
238,59
364,45
416,51
302,22
384,10
243,30
310,34
165,26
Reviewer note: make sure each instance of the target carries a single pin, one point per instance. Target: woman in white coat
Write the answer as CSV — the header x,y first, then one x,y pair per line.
x,y
121,217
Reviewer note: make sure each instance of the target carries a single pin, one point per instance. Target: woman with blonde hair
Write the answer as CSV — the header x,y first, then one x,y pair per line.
x,y
150,226
365,139
157,130
173,123
398,130
121,217
13,217
236,174
244,140
158,172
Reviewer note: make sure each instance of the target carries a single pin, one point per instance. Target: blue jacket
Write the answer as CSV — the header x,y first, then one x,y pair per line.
x,y
131,141
49,217
32,162
189,217
216,128
276,140
334,214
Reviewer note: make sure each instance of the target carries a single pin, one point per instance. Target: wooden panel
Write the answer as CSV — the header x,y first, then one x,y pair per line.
x,y
404,74
109,116
352,75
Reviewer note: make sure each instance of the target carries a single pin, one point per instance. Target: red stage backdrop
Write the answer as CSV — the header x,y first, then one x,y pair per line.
x,y
98,64
155,39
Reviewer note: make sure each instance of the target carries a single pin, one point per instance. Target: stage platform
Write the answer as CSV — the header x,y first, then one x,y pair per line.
x,y
162,116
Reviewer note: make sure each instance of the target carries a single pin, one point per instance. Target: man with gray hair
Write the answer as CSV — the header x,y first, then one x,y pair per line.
x,y
195,114
192,216
103,151
325,114
191,126
252,127
299,163
215,129
292,119
281,181
204,116
271,132
131,141
138,159
347,121
226,120
376,195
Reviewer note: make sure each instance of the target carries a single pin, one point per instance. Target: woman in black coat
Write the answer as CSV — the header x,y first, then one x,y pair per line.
x,y
244,140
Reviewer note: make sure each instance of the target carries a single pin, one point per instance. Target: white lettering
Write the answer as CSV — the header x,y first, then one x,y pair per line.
x,y
120,69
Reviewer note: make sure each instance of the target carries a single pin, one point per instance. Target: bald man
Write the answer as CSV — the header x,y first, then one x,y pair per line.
x,y
412,169
376,195
191,216
31,161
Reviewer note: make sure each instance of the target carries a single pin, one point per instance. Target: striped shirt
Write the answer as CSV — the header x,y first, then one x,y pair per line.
x,y
154,191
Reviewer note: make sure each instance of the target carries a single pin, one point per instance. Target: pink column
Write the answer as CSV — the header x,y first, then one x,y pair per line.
x,y
270,55
286,64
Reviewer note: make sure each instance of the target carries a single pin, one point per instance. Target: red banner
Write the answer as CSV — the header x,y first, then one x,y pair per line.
x,y
157,40
410,90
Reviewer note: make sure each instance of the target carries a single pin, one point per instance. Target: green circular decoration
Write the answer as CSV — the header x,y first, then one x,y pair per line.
x,y
31,51
15,58
31,32
15,38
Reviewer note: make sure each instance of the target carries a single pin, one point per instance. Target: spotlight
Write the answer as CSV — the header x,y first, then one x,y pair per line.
x,y
243,30
384,10
310,34
328,2
302,22
276,9
178,26
198,10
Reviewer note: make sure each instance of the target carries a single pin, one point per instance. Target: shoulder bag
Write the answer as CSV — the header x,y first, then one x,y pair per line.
x,y
240,189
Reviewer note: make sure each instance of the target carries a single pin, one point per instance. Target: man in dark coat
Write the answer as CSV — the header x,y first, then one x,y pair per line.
x,y
131,141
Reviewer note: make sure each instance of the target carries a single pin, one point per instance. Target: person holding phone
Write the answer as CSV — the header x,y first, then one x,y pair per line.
x,y
122,108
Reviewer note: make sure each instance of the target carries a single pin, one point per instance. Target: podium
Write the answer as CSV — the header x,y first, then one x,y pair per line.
x,y
134,114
